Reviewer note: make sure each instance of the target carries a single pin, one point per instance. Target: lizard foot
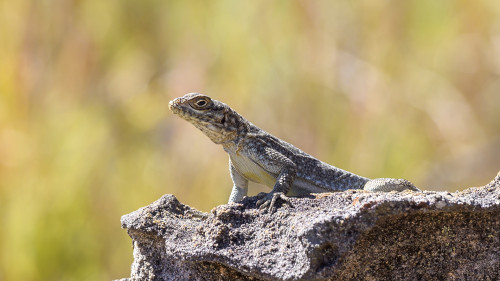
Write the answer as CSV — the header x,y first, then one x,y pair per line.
x,y
267,203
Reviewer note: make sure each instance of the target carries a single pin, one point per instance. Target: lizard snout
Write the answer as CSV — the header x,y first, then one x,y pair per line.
x,y
173,104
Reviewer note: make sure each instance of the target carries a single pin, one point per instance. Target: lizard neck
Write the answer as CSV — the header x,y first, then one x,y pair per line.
x,y
235,145
242,128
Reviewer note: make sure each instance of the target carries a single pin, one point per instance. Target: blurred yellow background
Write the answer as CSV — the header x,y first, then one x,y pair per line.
x,y
407,89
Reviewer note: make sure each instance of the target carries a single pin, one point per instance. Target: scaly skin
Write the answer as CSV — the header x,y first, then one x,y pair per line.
x,y
255,155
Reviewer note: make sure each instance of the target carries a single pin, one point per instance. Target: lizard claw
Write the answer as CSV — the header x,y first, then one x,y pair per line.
x,y
267,203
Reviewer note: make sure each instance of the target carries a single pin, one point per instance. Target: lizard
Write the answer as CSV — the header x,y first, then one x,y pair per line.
x,y
257,156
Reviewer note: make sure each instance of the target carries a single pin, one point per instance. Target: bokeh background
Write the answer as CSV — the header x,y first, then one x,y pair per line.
x,y
407,89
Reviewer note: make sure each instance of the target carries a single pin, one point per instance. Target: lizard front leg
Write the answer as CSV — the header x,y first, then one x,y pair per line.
x,y
278,164
240,184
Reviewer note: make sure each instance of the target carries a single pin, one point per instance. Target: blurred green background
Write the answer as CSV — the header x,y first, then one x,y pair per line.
x,y
405,89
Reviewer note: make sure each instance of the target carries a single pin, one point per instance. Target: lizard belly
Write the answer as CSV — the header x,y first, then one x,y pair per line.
x,y
303,187
251,171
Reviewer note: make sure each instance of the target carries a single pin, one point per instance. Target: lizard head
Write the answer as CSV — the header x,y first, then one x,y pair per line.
x,y
214,118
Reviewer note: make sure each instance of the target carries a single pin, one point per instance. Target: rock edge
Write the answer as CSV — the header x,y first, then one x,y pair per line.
x,y
352,235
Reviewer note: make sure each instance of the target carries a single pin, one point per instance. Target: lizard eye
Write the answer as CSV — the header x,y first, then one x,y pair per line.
x,y
201,103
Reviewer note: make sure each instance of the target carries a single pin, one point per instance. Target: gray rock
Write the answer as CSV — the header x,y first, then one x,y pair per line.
x,y
353,235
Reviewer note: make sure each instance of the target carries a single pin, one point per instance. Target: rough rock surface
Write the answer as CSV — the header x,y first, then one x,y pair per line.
x,y
353,235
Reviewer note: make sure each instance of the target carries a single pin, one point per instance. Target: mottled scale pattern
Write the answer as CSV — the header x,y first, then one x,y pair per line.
x,y
255,155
